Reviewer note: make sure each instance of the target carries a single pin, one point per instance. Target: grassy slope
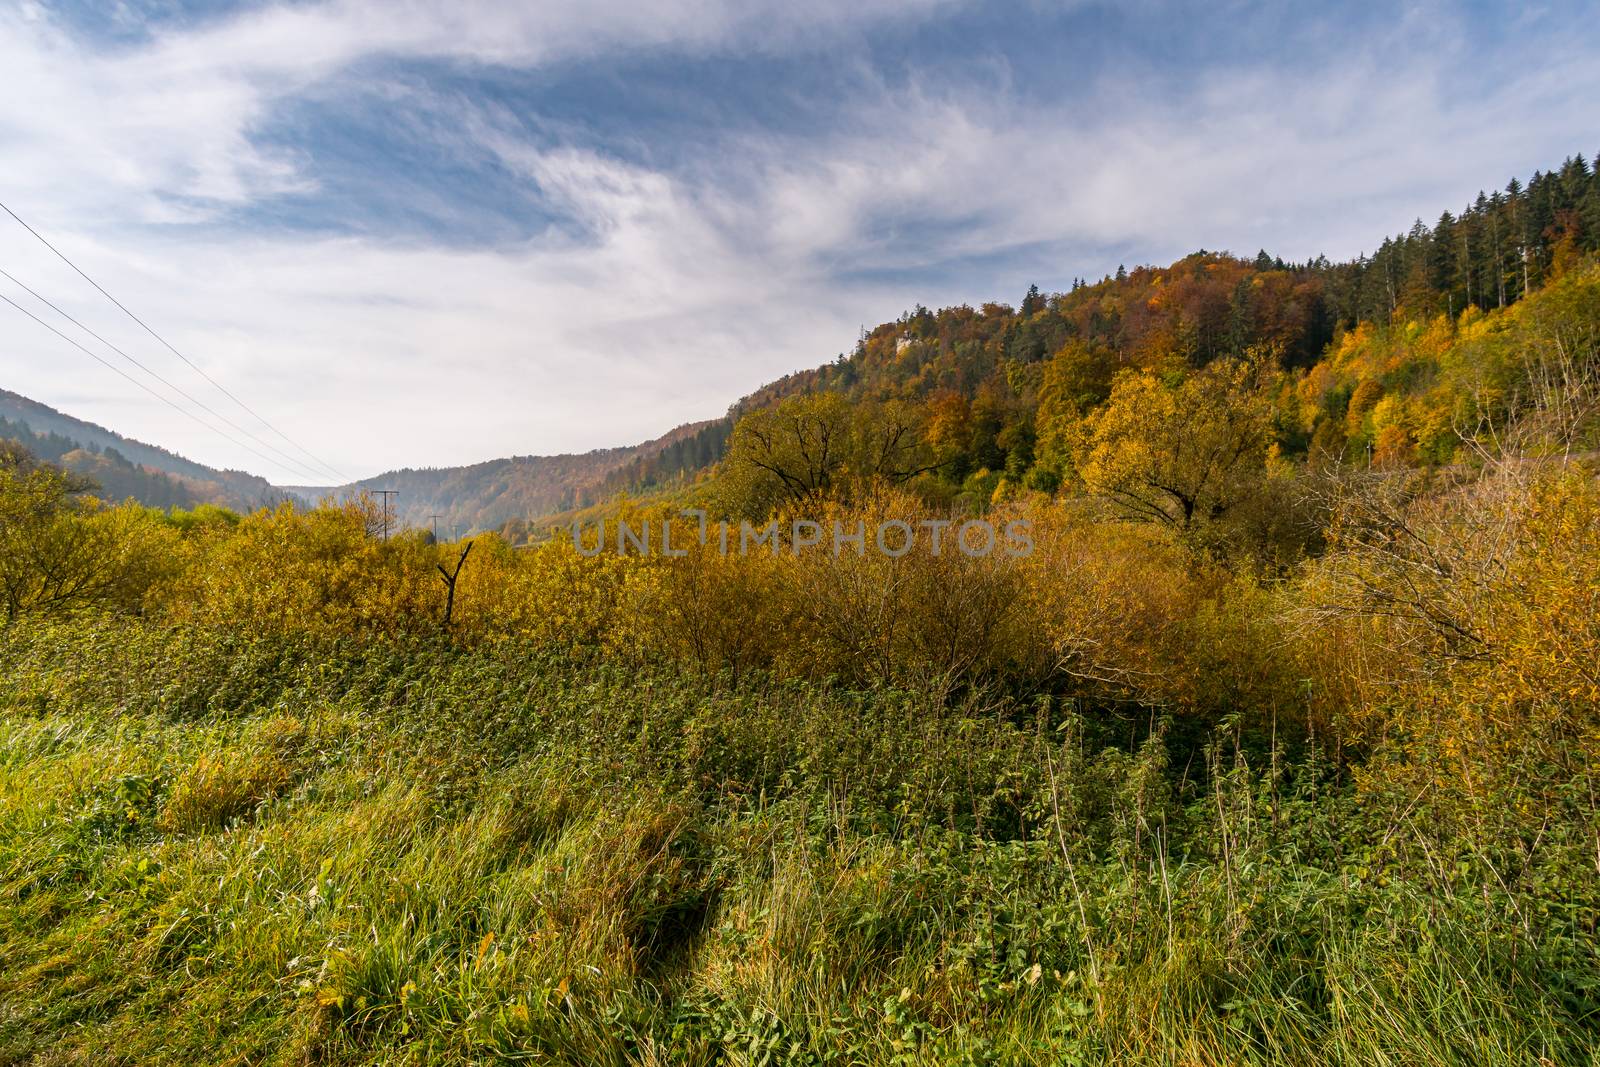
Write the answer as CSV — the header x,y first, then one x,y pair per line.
x,y
227,853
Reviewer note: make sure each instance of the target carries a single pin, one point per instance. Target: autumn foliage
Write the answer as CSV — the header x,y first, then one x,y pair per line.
x,y
1281,737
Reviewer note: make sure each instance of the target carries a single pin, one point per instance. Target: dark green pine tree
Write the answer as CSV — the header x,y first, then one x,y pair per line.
x,y
1504,209
1381,293
1240,320
1589,211
1574,184
1416,265
1541,224
1033,302
1469,243
1443,248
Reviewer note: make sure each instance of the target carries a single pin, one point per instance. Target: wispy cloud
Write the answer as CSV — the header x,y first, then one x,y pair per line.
x,y
418,234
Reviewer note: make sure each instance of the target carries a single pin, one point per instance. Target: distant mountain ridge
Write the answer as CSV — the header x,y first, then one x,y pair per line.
x,y
124,467
510,494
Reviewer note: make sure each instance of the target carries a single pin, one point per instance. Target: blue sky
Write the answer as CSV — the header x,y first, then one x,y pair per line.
x,y
425,233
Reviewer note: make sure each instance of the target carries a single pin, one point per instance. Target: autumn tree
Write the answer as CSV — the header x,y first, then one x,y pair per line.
x,y
60,550
1184,454
1073,382
817,447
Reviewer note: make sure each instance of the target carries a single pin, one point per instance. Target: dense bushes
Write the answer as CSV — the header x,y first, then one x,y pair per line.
x,y
1454,592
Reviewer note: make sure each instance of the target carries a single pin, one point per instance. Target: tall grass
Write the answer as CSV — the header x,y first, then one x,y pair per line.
x,y
360,852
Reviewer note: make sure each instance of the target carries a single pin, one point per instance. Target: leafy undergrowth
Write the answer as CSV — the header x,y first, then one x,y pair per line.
x,y
341,853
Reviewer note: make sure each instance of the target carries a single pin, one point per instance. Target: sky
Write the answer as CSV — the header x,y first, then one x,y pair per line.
x,y
413,233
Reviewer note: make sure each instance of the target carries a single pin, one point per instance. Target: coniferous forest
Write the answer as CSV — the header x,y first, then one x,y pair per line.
x,y
1281,744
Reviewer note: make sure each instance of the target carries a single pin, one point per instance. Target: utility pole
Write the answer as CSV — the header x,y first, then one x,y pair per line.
x,y
435,519
386,494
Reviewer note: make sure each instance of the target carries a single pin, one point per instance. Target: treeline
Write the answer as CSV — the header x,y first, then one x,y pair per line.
x,y
115,476
1185,560
674,464
1501,247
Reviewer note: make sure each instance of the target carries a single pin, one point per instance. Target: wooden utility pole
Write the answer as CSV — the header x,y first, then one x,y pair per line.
x,y
386,494
450,584
435,520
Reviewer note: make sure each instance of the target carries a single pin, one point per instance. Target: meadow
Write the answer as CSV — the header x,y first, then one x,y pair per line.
x,y
297,821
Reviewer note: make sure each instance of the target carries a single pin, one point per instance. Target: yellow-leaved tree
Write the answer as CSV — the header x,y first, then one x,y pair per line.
x,y
1195,454
61,550
817,448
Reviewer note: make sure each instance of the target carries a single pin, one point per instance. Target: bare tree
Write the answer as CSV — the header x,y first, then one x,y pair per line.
x,y
449,578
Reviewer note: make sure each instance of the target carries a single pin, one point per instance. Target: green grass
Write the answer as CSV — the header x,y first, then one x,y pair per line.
x,y
339,853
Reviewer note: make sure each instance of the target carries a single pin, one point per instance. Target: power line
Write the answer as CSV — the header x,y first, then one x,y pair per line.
x,y
218,385
298,467
112,366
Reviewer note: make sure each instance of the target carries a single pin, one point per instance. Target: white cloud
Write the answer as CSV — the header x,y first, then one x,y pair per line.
x,y
172,118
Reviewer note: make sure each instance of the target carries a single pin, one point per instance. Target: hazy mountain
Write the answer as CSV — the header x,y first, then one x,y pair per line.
x,y
124,467
496,493
512,492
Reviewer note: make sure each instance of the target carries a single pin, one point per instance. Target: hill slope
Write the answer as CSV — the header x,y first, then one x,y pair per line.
x,y
1375,350
510,493
124,467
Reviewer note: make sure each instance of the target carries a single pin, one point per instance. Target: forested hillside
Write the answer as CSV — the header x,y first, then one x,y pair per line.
x,y
1362,347
124,468
1382,359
